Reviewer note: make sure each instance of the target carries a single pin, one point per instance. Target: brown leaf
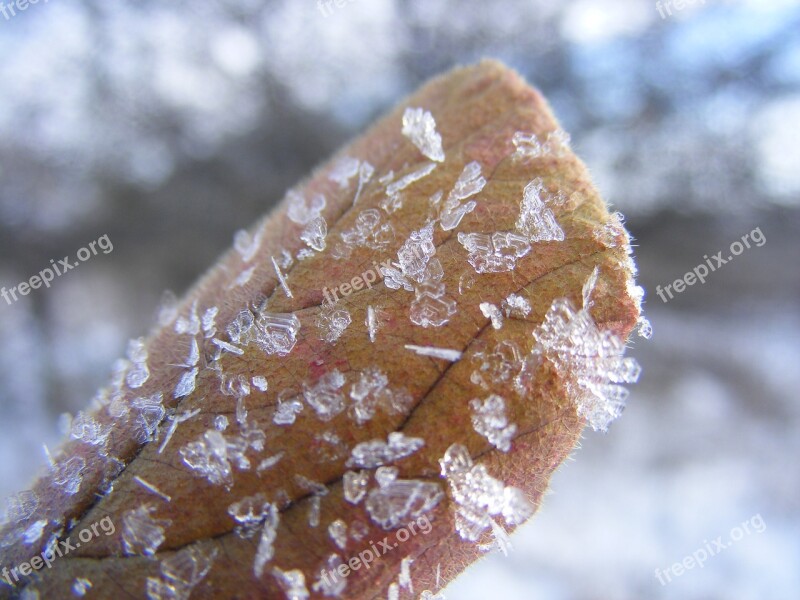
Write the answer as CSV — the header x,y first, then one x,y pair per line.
x,y
477,111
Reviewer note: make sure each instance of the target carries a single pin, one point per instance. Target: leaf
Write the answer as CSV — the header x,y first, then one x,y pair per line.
x,y
476,111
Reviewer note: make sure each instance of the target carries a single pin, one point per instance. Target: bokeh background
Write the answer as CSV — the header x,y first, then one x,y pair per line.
x,y
168,126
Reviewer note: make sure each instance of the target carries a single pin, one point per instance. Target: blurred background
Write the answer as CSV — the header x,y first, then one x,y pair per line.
x,y
168,126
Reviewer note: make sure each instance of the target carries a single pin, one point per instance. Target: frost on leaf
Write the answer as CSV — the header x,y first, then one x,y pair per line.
x,y
431,307
376,452
493,313
315,233
368,231
396,501
469,183
186,384
289,406
355,485
516,306
494,253
208,457
246,245
419,126
274,333
138,374
337,531
249,512
589,362
81,586
479,496
180,573
529,145
326,396
489,419
331,322
433,352
69,474
141,533
536,220
269,532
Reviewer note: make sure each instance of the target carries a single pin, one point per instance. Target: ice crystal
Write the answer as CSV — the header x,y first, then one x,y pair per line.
x,y
150,412
415,253
20,506
138,373
269,462
194,354
289,406
69,474
317,491
327,447
190,324
274,333
536,221
337,531
302,211
529,145
404,579
394,279
266,543
358,530
208,457
500,540
209,322
419,126
589,361
180,573
293,583
227,347
249,513
141,533
498,367
372,323
80,586
34,532
489,419
331,322
376,452
469,183
260,383
494,253
167,310
329,583
432,351
355,485
325,396
176,420
393,592
516,306
344,170
151,488
394,198
431,308
314,234
492,312
645,329
86,428
246,245
368,231
367,392
186,384
281,278
479,496
397,501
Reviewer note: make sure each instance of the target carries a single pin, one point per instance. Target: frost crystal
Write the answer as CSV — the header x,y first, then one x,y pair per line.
x,y
151,488
404,579
186,384
34,532
494,253
246,245
167,309
274,333
368,231
314,234
249,512
227,347
499,367
269,462
266,544
327,447
397,501
139,373
372,323
367,393
443,353
645,328
393,593
529,145
419,126
479,496
289,406
260,383
337,531
141,533
588,360
208,457
69,474
394,198
180,573
281,278
89,430
516,306
81,586
302,211
500,540
355,486
21,506
189,325
208,322
469,183
536,220
376,452
431,308
150,412
331,322
328,584
293,583
325,396
489,420
490,311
